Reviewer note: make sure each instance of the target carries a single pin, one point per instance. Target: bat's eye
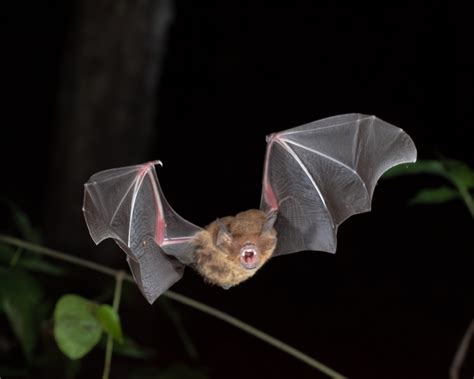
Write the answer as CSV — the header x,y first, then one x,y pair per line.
x,y
249,257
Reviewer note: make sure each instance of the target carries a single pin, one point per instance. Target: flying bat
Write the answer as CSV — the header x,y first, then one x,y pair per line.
x,y
315,176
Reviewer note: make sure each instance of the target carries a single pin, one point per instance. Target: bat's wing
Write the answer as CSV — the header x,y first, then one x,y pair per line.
x,y
319,174
127,205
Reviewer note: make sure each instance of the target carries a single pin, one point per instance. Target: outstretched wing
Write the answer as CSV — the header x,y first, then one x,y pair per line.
x,y
319,174
127,205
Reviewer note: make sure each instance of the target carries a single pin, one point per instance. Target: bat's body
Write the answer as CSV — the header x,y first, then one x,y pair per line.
x,y
315,177
232,249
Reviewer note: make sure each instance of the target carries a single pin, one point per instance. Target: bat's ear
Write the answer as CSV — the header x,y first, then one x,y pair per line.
x,y
223,235
271,218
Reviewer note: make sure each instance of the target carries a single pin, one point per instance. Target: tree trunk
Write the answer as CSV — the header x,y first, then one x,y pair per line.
x,y
107,104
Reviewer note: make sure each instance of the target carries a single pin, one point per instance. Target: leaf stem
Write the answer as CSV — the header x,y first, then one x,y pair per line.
x,y
466,196
120,275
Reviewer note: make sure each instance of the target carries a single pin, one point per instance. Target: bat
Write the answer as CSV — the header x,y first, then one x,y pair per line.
x,y
315,176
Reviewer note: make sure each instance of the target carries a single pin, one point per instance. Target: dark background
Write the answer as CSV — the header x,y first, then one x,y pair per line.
x,y
396,299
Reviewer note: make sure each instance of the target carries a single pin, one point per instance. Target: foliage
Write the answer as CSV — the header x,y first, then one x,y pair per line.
x,y
458,174
20,299
79,322
461,177
16,257
109,320
76,323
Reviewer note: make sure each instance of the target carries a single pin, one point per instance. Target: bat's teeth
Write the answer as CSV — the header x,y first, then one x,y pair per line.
x,y
249,257
248,253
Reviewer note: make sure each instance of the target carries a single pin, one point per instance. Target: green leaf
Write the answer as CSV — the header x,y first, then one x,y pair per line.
x,y
461,176
29,262
435,195
20,297
22,222
132,349
460,173
23,259
76,329
432,167
110,321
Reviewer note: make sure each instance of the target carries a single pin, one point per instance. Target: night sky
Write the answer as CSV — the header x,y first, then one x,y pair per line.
x,y
397,297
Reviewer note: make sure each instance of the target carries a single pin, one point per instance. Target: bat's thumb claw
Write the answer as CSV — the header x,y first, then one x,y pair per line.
x,y
157,162
271,137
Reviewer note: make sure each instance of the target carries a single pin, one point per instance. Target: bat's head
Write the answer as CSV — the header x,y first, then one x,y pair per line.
x,y
231,250
248,239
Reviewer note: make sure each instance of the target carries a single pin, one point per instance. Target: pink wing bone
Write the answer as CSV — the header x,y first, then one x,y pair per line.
x,y
161,237
160,224
269,196
271,201
318,174
172,233
128,205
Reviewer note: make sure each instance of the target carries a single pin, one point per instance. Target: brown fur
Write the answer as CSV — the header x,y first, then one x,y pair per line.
x,y
221,265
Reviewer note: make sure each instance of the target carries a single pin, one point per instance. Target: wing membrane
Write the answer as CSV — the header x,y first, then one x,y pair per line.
x,y
319,174
128,205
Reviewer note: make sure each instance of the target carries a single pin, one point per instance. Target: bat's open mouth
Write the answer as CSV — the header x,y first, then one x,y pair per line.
x,y
249,257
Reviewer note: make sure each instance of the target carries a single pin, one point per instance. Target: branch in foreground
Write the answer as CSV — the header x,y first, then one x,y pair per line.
x,y
181,299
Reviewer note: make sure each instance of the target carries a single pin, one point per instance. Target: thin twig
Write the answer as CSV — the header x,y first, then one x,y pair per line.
x,y
181,299
461,352
58,255
255,332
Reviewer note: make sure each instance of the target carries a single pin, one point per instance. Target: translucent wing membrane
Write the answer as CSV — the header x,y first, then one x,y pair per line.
x,y
319,174
315,177
127,205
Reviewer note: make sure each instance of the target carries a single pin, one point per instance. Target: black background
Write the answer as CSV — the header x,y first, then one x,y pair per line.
x,y
396,298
